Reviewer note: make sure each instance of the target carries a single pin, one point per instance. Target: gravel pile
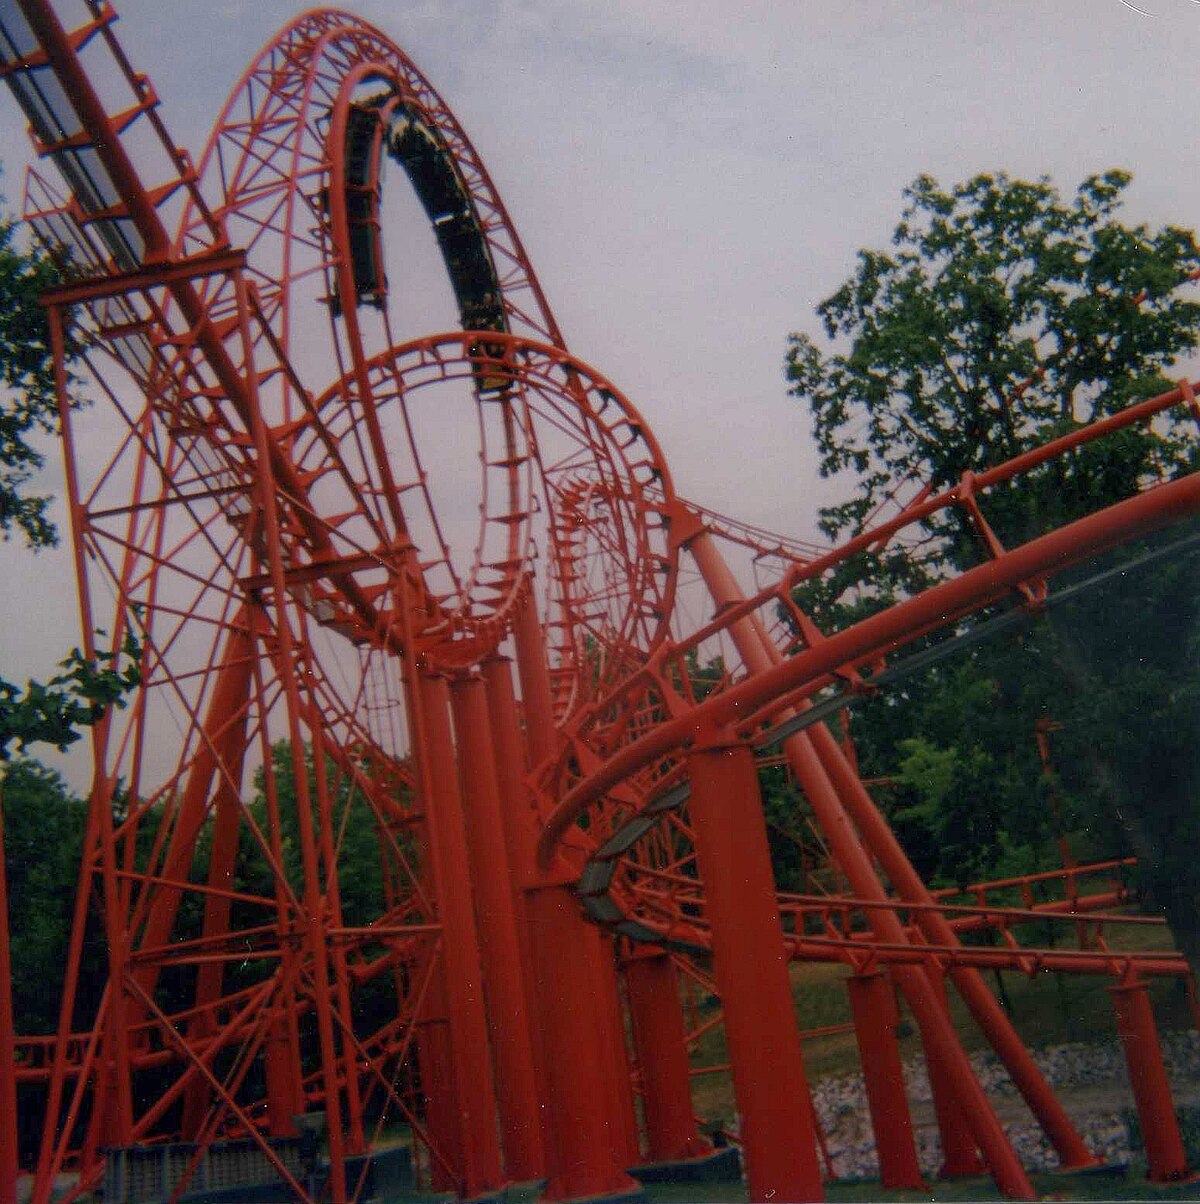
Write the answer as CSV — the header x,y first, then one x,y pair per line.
x,y
841,1104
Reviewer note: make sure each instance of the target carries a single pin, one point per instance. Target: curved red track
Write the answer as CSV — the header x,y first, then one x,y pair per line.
x,y
437,588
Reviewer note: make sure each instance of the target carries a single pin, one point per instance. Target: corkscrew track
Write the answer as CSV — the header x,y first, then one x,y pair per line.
x,y
518,706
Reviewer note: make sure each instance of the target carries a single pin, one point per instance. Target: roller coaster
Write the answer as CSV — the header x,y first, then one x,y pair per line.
x,y
273,492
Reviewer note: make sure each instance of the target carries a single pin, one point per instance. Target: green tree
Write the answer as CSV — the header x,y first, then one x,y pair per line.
x,y
1002,316
75,698
44,825
42,822
27,396
356,838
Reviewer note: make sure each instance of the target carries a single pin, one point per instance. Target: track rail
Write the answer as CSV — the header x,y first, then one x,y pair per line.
x,y
266,513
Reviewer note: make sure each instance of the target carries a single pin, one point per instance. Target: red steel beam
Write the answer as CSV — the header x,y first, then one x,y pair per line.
x,y
660,1039
777,1128
873,1005
848,852
764,693
1165,1156
504,984
470,1054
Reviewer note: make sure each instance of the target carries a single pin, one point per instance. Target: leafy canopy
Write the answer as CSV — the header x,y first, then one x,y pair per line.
x,y
27,396
76,698
1002,316
43,837
85,688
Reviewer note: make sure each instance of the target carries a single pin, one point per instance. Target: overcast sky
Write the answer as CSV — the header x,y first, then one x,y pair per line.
x,y
691,177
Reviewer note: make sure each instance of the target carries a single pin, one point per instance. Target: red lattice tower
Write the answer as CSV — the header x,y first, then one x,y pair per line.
x,y
501,705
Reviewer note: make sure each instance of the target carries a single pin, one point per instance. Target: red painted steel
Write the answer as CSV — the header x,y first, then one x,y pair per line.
x,y
435,1055
584,1126
1165,1156
960,1155
520,827
258,507
849,852
660,1040
751,971
499,936
873,1004
481,1170
983,1004
607,1109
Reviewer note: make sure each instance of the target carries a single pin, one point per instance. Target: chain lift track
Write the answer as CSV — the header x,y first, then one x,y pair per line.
x,y
431,791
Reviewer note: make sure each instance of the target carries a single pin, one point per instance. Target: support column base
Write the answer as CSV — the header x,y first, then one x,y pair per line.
x,y
1095,1167
947,1173
633,1196
1093,1170
721,1166
1166,1185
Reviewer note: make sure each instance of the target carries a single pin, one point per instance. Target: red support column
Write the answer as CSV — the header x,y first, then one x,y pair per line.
x,y
838,796
435,1059
579,1107
474,1084
1166,1161
536,698
960,1157
873,1004
626,1146
508,1013
751,970
520,824
281,1074
660,1039
594,983
964,1104
878,836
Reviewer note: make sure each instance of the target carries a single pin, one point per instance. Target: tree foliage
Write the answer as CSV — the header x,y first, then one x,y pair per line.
x,y
1003,316
44,827
27,395
357,841
43,822
56,712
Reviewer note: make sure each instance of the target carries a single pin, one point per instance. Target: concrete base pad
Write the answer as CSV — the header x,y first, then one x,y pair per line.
x,y
721,1166
1099,1170
636,1196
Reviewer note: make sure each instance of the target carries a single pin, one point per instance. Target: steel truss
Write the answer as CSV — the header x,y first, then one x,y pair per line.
x,y
561,805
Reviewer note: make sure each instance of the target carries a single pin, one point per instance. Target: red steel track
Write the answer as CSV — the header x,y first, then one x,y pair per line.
x,y
437,589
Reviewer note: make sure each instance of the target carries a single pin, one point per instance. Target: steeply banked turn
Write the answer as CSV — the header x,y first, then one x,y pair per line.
x,y
422,807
